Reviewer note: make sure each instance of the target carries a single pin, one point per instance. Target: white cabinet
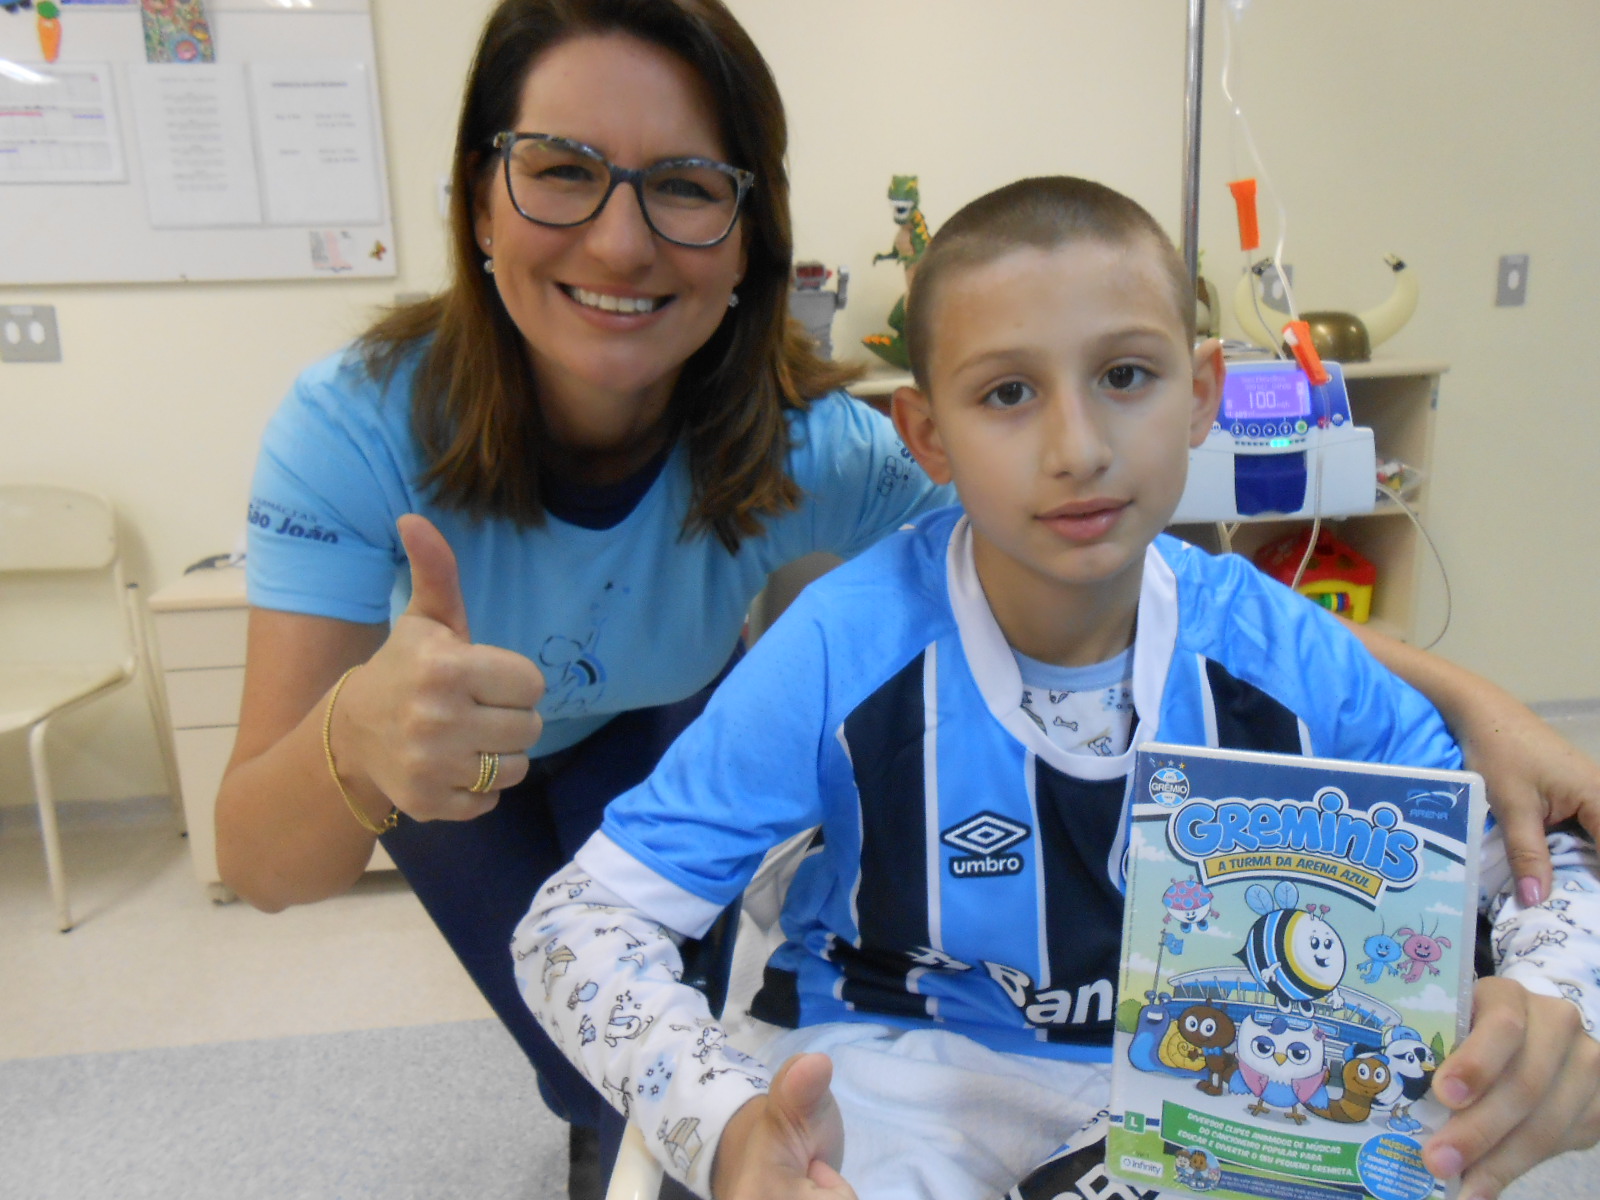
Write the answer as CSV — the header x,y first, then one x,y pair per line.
x,y
1397,401
200,623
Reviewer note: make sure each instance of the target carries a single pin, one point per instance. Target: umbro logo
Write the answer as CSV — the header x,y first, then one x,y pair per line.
x,y
986,837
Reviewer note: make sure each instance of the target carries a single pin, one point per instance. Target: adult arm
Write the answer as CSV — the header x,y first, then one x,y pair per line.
x,y
407,732
1525,1083
1534,777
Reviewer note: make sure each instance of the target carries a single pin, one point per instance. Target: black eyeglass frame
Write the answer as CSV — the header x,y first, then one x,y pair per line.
x,y
743,180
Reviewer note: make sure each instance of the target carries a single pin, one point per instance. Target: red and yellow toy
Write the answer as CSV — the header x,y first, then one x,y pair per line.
x,y
1335,577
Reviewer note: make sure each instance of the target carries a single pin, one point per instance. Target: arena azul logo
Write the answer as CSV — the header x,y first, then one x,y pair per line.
x,y
986,838
1375,841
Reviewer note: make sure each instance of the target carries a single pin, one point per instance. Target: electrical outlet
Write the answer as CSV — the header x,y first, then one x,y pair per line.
x,y
1273,294
28,333
1511,288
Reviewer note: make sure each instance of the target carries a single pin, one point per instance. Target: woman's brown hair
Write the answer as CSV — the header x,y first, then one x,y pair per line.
x,y
474,402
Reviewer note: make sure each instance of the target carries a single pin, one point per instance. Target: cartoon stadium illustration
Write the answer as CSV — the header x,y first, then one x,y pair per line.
x,y
1286,1015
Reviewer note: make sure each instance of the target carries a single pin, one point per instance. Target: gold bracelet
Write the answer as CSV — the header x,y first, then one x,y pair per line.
x,y
367,822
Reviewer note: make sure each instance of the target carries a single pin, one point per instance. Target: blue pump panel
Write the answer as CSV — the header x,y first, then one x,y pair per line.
x,y
1269,483
1280,445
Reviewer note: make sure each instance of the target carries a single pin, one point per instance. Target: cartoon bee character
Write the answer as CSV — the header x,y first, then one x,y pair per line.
x,y
1293,952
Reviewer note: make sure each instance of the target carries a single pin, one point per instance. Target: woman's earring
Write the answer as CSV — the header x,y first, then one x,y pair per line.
x,y
488,266
733,299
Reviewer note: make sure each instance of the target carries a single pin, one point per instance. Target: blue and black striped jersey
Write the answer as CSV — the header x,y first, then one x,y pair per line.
x,y
967,871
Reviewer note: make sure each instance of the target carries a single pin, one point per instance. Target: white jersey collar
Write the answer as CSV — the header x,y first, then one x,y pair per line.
x,y
994,667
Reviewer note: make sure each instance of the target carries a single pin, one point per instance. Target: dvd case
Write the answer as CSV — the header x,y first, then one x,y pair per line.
x,y
1297,958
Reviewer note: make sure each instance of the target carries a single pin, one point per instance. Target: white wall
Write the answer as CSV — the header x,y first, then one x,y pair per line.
x,y
1450,131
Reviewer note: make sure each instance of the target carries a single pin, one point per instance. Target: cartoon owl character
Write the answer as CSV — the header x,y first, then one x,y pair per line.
x,y
1411,1065
1283,1063
1293,953
1212,1031
1364,1077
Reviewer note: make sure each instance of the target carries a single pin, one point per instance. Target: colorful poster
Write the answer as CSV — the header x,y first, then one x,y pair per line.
x,y
176,31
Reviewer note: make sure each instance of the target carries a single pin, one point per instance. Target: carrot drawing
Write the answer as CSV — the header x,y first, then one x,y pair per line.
x,y
49,29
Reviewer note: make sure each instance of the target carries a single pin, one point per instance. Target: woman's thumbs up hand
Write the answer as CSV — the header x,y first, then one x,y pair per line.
x,y
423,721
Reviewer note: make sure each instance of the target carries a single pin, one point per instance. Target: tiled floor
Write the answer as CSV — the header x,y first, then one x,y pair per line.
x,y
152,962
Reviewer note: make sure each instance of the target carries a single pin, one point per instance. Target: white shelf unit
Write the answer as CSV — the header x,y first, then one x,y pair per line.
x,y
200,622
1398,401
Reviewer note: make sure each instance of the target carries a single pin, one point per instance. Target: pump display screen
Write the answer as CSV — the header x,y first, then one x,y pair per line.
x,y
1276,393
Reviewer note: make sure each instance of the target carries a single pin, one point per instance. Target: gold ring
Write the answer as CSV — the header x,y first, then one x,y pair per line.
x,y
488,770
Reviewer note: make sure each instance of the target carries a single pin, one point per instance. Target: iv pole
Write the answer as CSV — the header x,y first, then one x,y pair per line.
x,y
1194,67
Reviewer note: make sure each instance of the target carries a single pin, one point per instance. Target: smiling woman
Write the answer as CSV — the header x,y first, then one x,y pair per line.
x,y
549,493
609,308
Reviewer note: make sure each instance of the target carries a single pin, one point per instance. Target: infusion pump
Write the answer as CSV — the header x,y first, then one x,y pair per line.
x,y
1281,445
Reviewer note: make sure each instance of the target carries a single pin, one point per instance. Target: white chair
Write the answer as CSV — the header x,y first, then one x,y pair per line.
x,y
66,541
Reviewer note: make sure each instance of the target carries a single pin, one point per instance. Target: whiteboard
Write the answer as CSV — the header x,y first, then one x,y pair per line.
x,y
267,164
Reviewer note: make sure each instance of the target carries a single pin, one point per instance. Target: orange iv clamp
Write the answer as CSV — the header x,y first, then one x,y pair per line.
x,y
1336,576
1244,199
1297,336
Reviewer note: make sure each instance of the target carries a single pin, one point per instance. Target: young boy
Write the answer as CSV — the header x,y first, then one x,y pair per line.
x,y
956,709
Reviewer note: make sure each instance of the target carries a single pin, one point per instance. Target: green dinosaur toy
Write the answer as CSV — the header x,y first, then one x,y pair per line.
x,y
910,240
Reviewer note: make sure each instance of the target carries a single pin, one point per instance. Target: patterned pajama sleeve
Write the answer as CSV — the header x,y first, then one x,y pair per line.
x,y
603,980
1552,948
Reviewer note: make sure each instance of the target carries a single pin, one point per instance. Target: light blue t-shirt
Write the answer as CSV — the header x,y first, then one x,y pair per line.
x,y
617,619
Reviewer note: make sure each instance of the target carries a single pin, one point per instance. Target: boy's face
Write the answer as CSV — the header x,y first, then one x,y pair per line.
x,y
1064,398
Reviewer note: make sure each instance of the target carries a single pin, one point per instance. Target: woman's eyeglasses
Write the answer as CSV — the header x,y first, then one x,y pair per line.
x,y
559,182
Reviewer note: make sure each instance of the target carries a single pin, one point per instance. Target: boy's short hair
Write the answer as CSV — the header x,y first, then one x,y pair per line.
x,y
1041,212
